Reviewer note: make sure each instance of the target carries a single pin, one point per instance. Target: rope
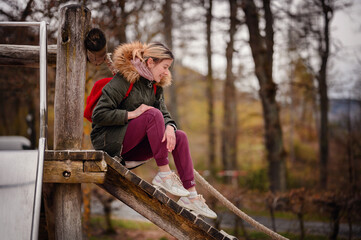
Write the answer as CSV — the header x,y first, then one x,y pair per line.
x,y
236,210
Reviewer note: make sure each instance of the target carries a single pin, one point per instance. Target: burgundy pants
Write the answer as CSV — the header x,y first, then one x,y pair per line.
x,y
143,140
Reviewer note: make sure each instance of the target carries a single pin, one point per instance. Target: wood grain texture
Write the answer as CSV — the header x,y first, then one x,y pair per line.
x,y
25,55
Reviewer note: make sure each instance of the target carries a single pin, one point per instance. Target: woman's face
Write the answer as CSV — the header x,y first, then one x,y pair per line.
x,y
159,70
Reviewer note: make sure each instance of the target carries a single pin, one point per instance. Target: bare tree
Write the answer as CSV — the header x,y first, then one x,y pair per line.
x,y
229,131
262,52
312,23
324,50
168,27
114,17
210,92
11,11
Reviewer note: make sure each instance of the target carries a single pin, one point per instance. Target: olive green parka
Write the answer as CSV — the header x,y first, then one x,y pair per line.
x,y
110,115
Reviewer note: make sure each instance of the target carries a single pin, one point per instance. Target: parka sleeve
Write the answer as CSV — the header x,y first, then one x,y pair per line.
x,y
106,112
163,108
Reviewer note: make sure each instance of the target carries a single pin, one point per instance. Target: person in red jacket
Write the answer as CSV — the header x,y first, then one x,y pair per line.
x,y
139,127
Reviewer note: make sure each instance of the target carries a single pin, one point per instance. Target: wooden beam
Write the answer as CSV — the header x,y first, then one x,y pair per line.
x,y
25,55
74,167
70,172
84,155
155,205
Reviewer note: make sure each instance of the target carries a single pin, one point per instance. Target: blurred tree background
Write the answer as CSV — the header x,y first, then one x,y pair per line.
x,y
257,87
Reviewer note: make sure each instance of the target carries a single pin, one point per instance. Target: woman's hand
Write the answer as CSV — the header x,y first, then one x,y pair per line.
x,y
137,112
169,136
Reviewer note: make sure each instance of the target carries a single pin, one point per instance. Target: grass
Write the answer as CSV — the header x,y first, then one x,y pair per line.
x,y
259,235
125,230
286,215
101,238
120,223
126,225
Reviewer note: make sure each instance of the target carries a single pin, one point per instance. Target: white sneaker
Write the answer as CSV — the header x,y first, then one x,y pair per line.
x,y
171,184
198,205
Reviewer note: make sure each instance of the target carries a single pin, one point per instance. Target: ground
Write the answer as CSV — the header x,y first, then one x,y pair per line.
x,y
133,234
126,230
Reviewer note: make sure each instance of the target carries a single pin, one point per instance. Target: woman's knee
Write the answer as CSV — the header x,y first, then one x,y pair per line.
x,y
181,135
155,113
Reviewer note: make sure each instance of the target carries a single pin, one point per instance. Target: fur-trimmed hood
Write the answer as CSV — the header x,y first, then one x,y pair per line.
x,y
122,57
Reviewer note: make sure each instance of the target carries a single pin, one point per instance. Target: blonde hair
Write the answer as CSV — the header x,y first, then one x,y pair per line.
x,y
157,51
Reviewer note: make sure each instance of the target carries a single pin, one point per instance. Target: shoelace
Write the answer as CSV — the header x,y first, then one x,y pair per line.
x,y
176,179
201,198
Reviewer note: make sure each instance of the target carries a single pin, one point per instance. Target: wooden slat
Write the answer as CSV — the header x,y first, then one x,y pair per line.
x,y
88,155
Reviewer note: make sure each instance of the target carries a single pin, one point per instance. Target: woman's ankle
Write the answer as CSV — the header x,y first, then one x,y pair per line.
x,y
164,168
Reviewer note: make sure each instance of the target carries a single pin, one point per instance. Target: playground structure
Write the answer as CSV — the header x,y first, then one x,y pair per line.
x,y
63,169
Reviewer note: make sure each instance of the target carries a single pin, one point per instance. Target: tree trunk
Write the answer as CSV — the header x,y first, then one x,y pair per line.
x,y
273,218
349,149
229,134
262,52
335,222
122,37
302,225
168,26
322,90
210,94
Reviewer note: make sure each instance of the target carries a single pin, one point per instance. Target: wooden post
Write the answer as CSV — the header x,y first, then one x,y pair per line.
x,y
63,201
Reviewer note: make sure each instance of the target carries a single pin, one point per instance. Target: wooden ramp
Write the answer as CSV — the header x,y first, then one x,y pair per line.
x,y
132,190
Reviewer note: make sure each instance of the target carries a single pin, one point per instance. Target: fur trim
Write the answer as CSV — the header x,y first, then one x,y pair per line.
x,y
122,56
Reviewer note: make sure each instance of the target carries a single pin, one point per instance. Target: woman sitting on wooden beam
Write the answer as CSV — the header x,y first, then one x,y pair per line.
x,y
131,121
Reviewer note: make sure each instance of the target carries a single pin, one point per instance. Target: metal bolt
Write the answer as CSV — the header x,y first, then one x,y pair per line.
x,y
66,174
